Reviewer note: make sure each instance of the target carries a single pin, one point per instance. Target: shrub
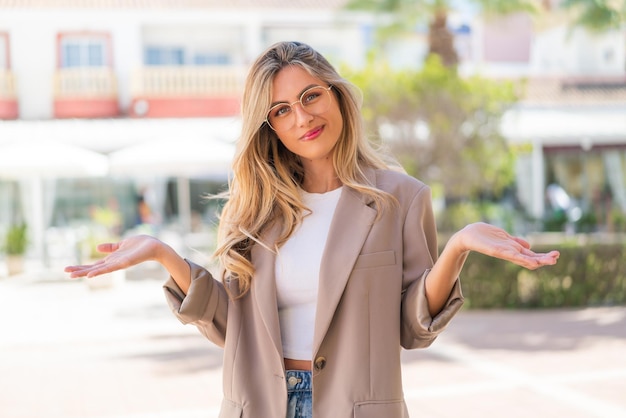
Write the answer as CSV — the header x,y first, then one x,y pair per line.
x,y
586,275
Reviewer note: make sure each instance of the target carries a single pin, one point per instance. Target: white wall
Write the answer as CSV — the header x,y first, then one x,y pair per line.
x,y
244,33
343,38
559,51
33,36
32,42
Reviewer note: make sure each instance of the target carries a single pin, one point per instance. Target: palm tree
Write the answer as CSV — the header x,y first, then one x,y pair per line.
x,y
593,15
597,15
404,14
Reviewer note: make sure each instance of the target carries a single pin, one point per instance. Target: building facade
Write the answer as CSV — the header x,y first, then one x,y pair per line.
x,y
106,75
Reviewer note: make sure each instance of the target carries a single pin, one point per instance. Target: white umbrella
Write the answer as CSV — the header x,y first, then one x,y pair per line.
x,y
176,157
181,157
49,159
35,160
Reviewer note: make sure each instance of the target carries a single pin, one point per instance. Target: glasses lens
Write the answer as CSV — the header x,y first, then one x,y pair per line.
x,y
314,101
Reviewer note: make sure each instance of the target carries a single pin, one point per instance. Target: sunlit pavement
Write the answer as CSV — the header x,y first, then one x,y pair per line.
x,y
73,352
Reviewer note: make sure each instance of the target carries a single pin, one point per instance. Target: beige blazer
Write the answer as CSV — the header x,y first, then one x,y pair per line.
x,y
371,302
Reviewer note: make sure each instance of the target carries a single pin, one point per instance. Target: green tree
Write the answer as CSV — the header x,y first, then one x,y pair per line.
x,y
443,128
596,15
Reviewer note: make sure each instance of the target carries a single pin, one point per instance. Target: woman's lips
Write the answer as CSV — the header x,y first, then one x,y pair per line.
x,y
312,134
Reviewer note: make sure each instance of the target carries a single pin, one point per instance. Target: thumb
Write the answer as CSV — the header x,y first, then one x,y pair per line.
x,y
108,247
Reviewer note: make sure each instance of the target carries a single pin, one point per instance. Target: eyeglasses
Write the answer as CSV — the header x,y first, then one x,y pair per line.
x,y
314,101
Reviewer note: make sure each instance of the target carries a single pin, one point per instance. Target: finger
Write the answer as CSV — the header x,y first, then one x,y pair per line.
x,y
78,271
524,257
70,269
83,270
552,255
522,242
108,247
536,260
87,271
551,258
107,265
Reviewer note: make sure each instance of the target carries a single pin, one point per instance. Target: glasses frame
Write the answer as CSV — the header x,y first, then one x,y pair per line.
x,y
267,117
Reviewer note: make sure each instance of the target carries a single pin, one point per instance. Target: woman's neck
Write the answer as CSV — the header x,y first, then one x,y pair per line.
x,y
321,187
320,180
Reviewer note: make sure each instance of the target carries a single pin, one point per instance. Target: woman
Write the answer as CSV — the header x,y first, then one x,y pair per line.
x,y
329,255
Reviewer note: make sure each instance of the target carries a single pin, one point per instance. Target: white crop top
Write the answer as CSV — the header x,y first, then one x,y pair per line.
x,y
297,274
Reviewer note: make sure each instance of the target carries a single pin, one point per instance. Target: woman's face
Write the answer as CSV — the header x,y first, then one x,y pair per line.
x,y
310,132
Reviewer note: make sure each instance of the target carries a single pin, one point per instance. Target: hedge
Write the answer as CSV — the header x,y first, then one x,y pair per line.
x,y
587,274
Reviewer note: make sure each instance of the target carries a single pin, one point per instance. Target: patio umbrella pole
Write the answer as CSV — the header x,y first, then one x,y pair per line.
x,y
184,204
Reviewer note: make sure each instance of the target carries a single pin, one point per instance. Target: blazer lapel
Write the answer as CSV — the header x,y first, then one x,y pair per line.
x,y
349,229
263,286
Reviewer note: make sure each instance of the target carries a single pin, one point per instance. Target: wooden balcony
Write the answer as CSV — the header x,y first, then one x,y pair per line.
x,y
85,93
8,97
187,91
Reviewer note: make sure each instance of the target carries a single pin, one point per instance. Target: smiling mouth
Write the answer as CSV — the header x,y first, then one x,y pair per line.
x,y
312,134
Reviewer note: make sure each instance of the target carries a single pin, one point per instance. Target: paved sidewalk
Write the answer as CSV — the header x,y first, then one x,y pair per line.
x,y
67,351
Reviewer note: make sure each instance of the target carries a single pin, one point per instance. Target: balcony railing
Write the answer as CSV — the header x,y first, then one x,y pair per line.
x,y
579,90
85,93
7,85
188,82
85,83
8,96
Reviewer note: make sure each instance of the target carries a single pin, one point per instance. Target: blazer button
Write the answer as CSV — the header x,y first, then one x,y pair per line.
x,y
320,363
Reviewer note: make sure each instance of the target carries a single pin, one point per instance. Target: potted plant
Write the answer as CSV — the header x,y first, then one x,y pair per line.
x,y
105,228
16,242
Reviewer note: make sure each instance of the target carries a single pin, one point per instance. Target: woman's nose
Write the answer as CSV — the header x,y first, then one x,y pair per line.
x,y
302,116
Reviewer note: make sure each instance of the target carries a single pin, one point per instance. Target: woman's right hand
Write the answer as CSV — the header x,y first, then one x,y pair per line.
x,y
123,254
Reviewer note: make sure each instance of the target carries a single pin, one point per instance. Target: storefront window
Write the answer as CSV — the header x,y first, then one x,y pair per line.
x,y
595,180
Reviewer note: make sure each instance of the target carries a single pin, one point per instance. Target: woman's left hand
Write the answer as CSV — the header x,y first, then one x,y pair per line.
x,y
496,242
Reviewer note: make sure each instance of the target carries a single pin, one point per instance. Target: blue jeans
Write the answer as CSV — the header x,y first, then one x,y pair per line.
x,y
299,394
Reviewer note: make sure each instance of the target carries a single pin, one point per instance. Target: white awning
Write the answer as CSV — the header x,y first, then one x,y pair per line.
x,y
584,126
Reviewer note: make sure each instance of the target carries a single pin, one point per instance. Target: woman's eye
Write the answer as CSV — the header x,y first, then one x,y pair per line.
x,y
282,111
310,97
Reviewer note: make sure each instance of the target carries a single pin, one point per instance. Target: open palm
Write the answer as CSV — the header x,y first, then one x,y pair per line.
x,y
123,254
495,242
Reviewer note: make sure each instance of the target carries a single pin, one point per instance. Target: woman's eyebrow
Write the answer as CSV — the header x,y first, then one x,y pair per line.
x,y
299,94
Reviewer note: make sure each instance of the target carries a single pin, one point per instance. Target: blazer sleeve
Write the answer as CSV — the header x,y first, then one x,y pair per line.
x,y
205,305
419,329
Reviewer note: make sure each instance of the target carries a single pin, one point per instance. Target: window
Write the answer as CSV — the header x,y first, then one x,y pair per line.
x,y
594,179
83,51
4,51
208,58
178,56
158,55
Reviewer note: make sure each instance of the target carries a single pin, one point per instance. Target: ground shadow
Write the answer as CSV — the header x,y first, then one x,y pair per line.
x,y
529,331
179,354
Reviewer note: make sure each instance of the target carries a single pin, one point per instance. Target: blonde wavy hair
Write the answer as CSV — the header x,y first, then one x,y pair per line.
x,y
266,175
